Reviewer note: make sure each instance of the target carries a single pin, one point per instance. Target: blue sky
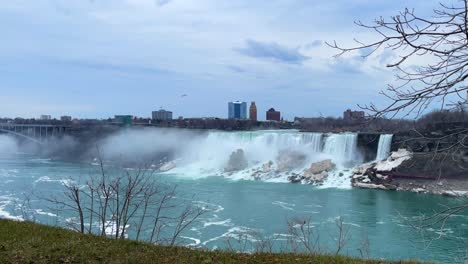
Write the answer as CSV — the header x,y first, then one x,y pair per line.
x,y
97,58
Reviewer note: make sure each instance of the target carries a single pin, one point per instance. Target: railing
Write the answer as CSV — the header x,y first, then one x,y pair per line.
x,y
37,133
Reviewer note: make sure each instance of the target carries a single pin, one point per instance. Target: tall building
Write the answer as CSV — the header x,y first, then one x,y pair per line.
x,y
273,115
162,115
253,111
237,110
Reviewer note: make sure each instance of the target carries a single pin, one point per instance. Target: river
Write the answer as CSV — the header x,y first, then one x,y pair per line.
x,y
379,222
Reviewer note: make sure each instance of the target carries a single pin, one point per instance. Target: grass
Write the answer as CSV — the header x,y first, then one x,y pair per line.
x,y
25,242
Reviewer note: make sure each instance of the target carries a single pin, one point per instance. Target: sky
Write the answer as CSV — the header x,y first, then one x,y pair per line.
x,y
99,58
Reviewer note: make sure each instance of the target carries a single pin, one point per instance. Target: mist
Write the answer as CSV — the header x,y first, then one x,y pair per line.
x,y
8,145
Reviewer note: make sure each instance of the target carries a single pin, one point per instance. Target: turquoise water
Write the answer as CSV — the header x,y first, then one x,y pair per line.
x,y
246,206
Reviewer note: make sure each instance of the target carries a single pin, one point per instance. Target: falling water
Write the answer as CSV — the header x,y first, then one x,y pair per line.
x,y
342,146
385,144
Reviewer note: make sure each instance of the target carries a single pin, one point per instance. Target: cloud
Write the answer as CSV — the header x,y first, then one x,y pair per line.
x,y
313,44
162,2
347,66
272,51
105,66
236,69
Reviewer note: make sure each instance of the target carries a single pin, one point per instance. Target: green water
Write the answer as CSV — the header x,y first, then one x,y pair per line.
x,y
379,217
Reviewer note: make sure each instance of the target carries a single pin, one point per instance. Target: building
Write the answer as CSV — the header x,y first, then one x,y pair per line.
x,y
273,115
66,118
253,112
353,115
45,117
237,110
162,115
123,119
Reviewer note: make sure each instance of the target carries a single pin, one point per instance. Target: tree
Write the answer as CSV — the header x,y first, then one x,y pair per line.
x,y
443,42
127,200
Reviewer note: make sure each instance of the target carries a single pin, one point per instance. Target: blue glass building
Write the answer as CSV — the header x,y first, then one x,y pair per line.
x,y
237,110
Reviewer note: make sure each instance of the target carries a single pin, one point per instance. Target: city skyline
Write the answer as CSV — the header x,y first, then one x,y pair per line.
x,y
95,59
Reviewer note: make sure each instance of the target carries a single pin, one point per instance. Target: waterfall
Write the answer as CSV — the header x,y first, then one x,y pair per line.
x,y
385,144
342,146
270,155
313,140
273,139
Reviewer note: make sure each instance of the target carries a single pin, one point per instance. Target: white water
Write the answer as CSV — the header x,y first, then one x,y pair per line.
x,y
208,155
343,147
385,144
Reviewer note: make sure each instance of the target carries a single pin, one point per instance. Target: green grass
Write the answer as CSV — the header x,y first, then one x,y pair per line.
x,y
24,242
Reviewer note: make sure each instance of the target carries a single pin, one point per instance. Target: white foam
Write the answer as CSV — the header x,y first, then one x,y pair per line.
x,y
211,207
226,222
339,178
287,206
4,201
234,232
195,243
41,212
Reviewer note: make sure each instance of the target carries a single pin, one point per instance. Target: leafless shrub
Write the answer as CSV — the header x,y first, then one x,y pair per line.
x,y
342,237
127,200
302,236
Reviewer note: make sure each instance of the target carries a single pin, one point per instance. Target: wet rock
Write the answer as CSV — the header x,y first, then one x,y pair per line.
x,y
319,167
317,178
237,161
295,178
369,185
419,190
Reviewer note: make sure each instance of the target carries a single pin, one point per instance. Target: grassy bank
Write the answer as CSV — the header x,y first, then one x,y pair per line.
x,y
22,242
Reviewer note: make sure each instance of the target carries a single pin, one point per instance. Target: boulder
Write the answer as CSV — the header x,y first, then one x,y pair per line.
x,y
288,160
319,167
237,161
317,178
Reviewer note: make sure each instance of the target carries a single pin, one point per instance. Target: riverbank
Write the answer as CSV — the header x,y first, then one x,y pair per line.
x,y
388,175
25,242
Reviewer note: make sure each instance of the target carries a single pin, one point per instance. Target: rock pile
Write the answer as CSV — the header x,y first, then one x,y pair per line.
x,y
237,161
315,174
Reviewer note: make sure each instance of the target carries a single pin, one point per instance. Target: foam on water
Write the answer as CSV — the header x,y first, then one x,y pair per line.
x,y
6,200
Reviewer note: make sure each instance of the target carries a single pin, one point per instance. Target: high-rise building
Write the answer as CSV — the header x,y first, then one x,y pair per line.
x,y
162,115
273,115
253,111
237,110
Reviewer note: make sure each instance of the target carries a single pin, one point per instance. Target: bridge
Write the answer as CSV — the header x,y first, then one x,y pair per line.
x,y
38,133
